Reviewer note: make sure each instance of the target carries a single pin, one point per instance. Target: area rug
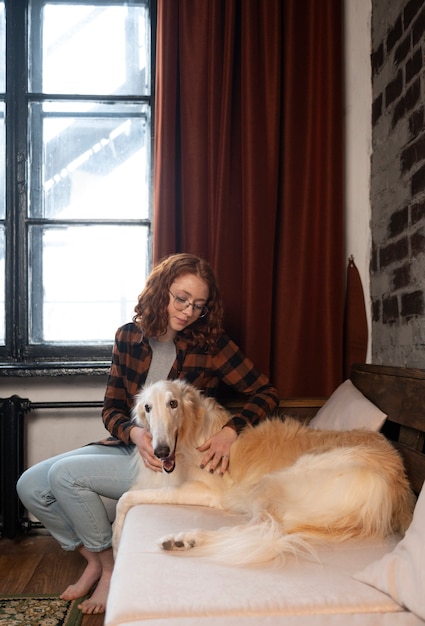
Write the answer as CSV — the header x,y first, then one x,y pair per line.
x,y
39,610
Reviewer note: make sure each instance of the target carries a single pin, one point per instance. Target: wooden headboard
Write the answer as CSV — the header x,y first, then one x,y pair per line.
x,y
400,393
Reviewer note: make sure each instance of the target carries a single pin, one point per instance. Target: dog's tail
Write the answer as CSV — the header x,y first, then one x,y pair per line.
x,y
250,544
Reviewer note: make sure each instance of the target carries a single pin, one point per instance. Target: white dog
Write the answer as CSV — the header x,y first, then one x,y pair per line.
x,y
294,484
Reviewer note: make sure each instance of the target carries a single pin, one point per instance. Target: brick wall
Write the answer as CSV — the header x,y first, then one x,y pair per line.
x,y
398,183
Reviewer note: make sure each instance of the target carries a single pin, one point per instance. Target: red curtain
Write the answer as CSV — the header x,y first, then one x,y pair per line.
x,y
249,173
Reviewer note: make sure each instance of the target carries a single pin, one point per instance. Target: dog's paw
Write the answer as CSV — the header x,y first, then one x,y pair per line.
x,y
181,541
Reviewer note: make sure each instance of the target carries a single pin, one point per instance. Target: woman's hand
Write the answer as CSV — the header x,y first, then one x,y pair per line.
x,y
217,449
143,441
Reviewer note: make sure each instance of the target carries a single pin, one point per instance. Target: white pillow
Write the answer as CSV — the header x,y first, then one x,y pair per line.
x,y
348,408
401,573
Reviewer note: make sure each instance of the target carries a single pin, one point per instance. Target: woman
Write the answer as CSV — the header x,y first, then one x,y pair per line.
x,y
176,333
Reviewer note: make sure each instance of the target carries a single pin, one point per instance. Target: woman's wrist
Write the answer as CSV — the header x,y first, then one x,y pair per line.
x,y
135,433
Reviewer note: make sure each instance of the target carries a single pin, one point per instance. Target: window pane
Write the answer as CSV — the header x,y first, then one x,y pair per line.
x,y
91,49
2,288
2,49
84,281
95,161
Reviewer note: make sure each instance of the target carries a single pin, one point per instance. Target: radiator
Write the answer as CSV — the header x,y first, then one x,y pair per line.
x,y
13,411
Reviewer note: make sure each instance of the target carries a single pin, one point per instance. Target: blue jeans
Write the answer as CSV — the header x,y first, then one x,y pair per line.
x,y
63,493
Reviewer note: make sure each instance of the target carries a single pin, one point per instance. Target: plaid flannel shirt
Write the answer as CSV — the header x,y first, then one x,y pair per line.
x,y
131,359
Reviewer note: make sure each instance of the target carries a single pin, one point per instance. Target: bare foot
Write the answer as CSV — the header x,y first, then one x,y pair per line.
x,y
97,602
88,578
81,588
99,570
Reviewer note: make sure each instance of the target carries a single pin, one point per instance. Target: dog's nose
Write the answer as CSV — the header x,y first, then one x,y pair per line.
x,y
162,451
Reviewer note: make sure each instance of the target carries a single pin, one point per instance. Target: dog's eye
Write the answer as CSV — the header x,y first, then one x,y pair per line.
x,y
147,408
173,404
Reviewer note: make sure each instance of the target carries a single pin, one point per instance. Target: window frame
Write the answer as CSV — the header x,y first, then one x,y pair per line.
x,y
18,354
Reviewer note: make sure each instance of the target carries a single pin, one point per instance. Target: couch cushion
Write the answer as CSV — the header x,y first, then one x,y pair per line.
x,y
150,584
343,619
401,573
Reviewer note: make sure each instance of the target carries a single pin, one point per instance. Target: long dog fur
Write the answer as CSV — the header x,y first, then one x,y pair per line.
x,y
295,485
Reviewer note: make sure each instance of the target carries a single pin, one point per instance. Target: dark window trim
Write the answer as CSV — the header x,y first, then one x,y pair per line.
x,y
53,369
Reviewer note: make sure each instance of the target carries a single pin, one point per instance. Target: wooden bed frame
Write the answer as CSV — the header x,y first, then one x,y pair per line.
x,y
400,393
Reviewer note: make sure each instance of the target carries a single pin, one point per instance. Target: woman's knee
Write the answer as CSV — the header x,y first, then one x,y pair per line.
x,y
32,483
22,486
60,475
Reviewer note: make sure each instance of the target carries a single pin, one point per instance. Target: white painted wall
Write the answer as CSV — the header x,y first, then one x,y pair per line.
x,y
53,431
358,133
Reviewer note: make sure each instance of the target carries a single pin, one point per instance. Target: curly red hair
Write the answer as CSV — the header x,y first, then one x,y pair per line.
x,y
151,309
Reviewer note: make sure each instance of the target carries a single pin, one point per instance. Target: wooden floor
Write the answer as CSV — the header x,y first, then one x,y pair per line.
x,y
35,563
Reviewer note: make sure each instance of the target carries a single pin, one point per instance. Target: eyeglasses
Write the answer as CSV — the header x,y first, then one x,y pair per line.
x,y
181,304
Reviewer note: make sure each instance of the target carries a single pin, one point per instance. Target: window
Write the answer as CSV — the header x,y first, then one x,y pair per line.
x,y
75,195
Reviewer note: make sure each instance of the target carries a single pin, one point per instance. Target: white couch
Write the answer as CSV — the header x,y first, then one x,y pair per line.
x,y
356,583
153,587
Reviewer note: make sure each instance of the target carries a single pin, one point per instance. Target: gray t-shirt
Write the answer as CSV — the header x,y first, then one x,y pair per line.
x,y
163,357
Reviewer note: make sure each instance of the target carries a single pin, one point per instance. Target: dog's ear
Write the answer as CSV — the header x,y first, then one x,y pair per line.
x,y
190,398
192,407
138,413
